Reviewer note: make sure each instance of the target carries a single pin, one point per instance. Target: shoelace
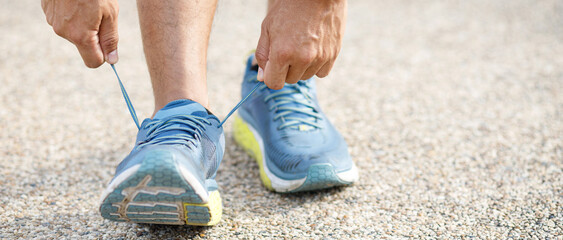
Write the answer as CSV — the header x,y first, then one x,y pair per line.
x,y
157,127
288,113
188,127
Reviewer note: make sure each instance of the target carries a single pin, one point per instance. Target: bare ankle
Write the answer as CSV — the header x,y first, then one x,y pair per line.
x,y
200,98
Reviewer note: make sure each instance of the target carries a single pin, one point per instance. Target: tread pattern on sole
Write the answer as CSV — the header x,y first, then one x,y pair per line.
x,y
157,193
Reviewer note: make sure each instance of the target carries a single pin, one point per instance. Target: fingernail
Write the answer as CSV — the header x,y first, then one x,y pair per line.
x,y
112,57
260,74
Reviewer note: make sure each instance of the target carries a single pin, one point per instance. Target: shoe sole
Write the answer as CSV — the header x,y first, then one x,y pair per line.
x,y
159,191
319,176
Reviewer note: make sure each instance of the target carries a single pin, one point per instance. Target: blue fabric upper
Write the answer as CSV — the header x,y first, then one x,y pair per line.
x,y
188,131
295,132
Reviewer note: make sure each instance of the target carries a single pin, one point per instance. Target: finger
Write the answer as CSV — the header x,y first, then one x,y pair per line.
x,y
260,76
48,8
109,37
90,50
44,5
311,71
275,74
263,48
295,73
325,70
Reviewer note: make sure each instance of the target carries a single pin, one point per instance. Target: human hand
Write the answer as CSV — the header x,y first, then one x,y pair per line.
x,y
299,39
91,25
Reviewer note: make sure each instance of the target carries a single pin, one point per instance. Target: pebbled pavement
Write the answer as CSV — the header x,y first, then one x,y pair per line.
x,y
453,111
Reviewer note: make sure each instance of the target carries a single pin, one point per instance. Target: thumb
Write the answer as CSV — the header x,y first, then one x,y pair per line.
x,y
263,49
109,38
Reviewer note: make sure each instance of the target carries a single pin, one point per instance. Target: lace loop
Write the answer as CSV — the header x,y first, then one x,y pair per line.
x,y
134,114
127,99
241,102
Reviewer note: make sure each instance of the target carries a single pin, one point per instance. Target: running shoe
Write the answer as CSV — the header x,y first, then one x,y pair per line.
x,y
169,176
296,147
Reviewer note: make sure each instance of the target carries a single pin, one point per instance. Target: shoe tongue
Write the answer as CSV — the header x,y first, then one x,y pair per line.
x,y
181,107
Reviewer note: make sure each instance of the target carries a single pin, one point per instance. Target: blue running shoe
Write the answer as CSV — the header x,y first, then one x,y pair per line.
x,y
169,176
296,147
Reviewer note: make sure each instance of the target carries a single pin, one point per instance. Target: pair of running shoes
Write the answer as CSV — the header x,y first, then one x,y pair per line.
x,y
169,176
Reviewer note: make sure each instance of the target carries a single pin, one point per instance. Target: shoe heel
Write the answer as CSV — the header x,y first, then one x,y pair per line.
x,y
157,193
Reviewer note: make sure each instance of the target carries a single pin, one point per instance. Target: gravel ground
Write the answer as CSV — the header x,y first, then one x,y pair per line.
x,y
452,109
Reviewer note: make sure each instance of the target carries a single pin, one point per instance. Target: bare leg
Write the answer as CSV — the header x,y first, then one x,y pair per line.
x,y
175,39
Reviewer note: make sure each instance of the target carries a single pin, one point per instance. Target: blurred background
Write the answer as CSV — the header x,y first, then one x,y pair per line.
x,y
451,109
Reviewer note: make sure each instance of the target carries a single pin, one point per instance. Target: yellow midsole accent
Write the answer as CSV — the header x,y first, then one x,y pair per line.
x,y
245,138
214,205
